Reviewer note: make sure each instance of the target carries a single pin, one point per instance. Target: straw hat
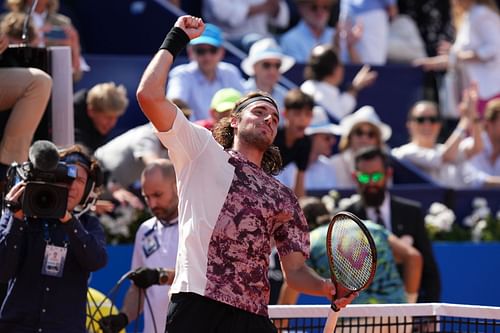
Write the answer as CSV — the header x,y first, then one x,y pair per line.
x,y
366,114
266,48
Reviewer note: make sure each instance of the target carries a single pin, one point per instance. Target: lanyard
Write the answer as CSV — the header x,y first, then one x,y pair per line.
x,y
155,226
46,234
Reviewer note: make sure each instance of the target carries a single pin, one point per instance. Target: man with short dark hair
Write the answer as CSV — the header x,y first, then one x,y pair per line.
x,y
400,216
291,140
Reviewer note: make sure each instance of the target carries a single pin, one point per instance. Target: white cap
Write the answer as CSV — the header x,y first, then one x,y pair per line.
x,y
266,48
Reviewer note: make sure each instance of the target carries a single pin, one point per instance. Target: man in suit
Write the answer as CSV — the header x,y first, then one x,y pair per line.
x,y
400,216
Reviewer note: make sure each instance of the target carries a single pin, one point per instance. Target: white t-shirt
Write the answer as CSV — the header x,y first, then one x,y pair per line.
x,y
458,175
337,104
482,160
156,246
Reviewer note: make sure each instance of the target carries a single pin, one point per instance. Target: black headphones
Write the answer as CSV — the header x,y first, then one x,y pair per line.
x,y
95,177
95,180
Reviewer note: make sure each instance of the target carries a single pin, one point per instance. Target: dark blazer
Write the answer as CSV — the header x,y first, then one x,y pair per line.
x,y
407,219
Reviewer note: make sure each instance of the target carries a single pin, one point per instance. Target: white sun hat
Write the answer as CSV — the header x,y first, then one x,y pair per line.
x,y
321,124
266,48
366,114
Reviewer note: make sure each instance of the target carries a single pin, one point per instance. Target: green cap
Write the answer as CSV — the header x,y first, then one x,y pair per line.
x,y
225,99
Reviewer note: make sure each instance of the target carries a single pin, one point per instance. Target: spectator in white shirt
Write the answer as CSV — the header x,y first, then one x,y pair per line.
x,y
320,174
488,159
246,19
324,73
448,163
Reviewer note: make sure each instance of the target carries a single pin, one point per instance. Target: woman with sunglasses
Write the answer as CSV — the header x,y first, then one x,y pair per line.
x,y
447,163
360,129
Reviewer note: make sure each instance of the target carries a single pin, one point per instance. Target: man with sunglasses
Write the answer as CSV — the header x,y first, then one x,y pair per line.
x,y
400,216
196,83
264,65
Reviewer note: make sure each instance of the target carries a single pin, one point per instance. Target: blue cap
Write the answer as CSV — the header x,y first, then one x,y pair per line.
x,y
212,36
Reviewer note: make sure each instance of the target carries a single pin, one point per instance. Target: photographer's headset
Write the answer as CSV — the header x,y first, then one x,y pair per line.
x,y
95,179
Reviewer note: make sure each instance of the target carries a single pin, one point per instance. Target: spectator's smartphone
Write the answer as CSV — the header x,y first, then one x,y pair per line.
x,y
56,33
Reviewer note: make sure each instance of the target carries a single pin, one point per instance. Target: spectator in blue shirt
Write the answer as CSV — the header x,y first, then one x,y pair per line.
x,y
312,29
264,65
195,83
47,261
373,17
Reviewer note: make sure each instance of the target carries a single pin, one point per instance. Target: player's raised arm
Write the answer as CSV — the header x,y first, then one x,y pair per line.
x,y
151,91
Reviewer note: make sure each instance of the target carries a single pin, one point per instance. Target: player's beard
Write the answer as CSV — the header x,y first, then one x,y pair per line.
x,y
373,196
255,139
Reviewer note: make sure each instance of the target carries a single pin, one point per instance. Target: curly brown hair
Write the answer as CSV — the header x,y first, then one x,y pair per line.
x,y
224,135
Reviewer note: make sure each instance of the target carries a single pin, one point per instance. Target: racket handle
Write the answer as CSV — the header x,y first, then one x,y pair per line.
x,y
334,306
331,321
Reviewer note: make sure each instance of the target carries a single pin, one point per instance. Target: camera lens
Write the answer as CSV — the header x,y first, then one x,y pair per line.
x,y
45,200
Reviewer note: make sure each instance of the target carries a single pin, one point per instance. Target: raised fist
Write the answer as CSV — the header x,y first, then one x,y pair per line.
x,y
192,26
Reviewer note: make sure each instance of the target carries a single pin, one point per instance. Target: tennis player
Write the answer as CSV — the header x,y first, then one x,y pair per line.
x,y
230,206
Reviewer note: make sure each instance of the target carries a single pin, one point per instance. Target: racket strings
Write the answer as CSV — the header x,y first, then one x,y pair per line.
x,y
352,254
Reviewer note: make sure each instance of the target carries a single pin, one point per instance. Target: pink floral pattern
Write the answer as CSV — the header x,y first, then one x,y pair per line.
x,y
257,208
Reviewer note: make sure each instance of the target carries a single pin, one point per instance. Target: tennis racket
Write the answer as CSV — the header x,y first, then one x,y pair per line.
x,y
351,254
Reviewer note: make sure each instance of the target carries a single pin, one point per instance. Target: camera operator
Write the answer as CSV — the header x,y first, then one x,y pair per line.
x,y
47,261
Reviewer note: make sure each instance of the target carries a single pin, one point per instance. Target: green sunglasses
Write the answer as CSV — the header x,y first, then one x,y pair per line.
x,y
364,178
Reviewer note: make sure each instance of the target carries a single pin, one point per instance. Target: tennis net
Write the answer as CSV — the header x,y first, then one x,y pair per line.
x,y
391,318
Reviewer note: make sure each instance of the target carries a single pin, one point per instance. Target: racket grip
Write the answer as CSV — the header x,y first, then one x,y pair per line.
x,y
334,306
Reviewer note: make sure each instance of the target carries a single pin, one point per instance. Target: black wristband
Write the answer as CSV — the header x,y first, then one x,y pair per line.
x,y
175,41
334,307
